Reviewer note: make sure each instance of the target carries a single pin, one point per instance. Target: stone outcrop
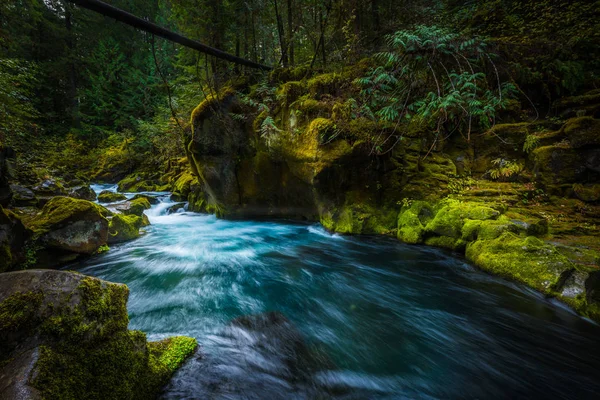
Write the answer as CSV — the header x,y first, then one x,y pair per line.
x,y
66,228
64,335
311,157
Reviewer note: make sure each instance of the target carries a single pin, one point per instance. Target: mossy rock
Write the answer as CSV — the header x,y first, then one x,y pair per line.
x,y
557,164
138,183
290,91
64,336
582,132
134,207
151,199
70,225
412,221
360,218
588,193
13,236
524,259
323,129
450,218
183,184
106,196
123,228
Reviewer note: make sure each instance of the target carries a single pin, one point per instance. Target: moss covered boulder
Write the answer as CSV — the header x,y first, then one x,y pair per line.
x,y
134,207
524,259
68,226
141,182
106,196
151,199
412,221
122,228
64,336
13,236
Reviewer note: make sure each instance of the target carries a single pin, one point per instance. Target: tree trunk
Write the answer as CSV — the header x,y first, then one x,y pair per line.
x,y
290,32
284,57
72,80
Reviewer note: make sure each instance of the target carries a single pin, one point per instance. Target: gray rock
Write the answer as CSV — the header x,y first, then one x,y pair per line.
x,y
50,187
175,208
82,192
22,196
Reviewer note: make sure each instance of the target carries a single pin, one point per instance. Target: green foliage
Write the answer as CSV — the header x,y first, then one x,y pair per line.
x,y
531,143
505,169
18,79
434,74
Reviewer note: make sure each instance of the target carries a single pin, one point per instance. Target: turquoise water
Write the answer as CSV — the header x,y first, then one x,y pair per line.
x,y
386,320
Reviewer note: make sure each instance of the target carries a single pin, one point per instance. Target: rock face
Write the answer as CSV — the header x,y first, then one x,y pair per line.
x,y
68,227
64,335
313,157
7,157
13,236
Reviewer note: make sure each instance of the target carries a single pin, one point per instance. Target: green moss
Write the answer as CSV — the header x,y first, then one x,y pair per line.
x,y
557,164
122,228
446,242
62,210
528,260
211,103
137,183
136,207
588,193
412,221
360,218
329,83
487,229
91,354
182,185
290,92
310,108
169,354
582,131
323,129
449,220
110,197
18,311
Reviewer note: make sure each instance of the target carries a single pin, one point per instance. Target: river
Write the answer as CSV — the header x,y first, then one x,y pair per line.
x,y
380,319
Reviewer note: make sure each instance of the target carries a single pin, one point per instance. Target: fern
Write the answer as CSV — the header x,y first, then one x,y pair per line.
x,y
531,143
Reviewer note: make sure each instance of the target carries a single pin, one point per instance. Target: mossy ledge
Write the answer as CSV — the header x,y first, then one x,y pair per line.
x,y
64,336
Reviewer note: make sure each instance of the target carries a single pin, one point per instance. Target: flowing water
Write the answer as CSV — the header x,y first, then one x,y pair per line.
x,y
381,320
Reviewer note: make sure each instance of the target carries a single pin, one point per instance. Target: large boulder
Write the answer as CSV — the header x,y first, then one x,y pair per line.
x,y
13,236
123,228
264,355
64,336
69,227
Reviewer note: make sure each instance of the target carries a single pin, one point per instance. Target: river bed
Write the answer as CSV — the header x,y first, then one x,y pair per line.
x,y
385,320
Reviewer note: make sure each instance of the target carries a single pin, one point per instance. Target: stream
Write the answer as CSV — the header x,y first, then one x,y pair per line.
x,y
380,319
